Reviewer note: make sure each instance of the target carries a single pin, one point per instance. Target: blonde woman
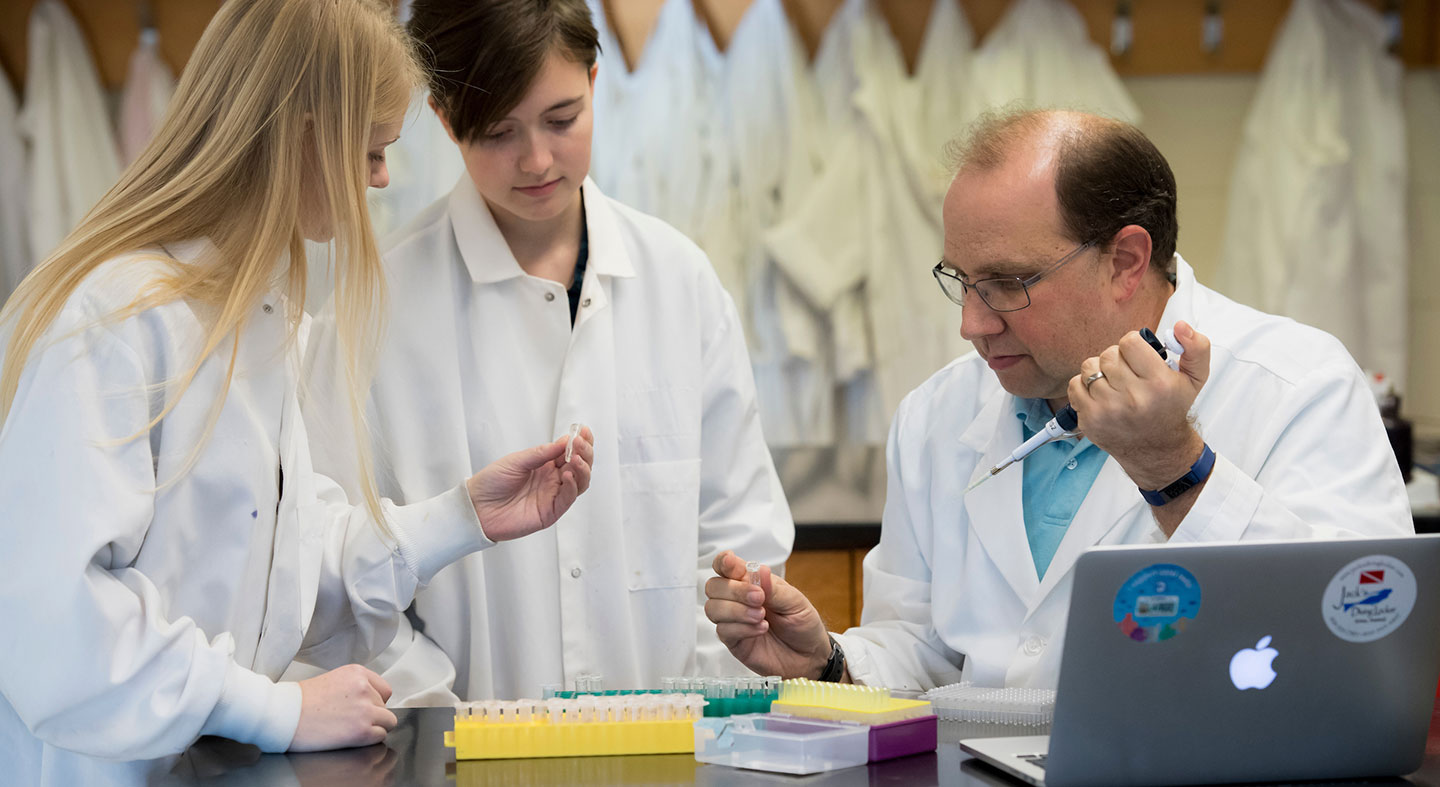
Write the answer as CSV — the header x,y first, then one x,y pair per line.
x,y
168,548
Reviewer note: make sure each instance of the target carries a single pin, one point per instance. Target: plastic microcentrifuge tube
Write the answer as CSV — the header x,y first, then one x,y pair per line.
x,y
570,443
752,572
549,690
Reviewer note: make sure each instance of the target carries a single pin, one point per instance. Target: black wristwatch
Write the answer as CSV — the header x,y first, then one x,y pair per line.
x,y
835,667
1199,472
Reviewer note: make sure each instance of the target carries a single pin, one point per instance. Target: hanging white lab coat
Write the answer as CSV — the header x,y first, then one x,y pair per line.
x,y
148,87
860,243
1317,220
648,145
1040,55
1300,453
481,358
147,603
14,225
757,148
73,156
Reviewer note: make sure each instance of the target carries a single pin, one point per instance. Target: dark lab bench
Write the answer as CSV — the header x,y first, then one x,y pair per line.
x,y
415,755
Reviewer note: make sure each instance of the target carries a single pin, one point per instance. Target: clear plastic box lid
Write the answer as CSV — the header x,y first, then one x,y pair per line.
x,y
784,744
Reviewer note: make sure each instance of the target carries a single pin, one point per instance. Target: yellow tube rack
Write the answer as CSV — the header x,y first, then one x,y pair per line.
x,y
478,740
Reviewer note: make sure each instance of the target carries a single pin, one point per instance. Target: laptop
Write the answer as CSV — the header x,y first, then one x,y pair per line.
x,y
1260,661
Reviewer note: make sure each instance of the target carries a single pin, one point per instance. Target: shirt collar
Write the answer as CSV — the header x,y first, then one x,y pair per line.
x,y
1033,413
488,257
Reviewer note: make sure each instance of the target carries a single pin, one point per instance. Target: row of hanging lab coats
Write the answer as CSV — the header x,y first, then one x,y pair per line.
x,y
1316,227
60,149
816,189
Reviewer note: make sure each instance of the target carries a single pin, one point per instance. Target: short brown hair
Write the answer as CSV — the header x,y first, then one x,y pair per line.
x,y
1108,174
483,55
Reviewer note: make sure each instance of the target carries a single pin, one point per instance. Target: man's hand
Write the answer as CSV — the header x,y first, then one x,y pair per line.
x,y
344,707
771,627
1139,411
529,490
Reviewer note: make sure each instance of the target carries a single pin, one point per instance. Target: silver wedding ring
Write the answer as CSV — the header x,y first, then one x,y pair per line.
x,y
1092,378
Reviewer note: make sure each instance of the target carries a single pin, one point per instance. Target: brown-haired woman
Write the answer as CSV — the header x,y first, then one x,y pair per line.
x,y
528,293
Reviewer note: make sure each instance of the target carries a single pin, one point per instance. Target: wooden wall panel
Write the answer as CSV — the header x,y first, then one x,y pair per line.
x,y
824,576
1166,32
857,584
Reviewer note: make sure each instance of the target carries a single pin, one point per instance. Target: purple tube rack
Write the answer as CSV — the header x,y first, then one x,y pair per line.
x,y
900,738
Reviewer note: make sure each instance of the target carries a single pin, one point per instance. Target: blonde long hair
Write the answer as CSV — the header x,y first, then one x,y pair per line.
x,y
273,89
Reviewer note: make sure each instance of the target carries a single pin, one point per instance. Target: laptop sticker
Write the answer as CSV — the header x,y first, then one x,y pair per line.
x,y
1156,603
1369,598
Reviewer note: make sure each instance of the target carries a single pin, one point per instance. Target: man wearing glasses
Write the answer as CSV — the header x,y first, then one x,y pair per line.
x,y
1060,234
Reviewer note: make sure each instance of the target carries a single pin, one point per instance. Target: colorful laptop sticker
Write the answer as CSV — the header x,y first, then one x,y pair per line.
x,y
1156,603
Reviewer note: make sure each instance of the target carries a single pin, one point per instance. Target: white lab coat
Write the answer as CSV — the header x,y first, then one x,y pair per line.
x,y
655,166
1040,55
859,244
145,603
1300,453
481,359
1317,215
73,156
14,225
145,97
757,148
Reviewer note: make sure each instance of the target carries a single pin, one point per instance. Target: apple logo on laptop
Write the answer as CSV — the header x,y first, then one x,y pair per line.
x,y
1250,667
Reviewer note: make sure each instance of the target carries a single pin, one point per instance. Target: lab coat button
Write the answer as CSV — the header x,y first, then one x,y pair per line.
x,y
575,572
585,302
1070,465
549,296
268,308
1033,646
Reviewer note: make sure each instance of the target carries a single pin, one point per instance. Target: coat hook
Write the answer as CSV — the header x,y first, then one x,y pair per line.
x,y
1122,30
1394,27
1213,28
147,16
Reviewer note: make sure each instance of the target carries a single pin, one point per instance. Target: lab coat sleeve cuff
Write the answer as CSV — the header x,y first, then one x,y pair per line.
x,y
255,709
1224,508
861,667
434,533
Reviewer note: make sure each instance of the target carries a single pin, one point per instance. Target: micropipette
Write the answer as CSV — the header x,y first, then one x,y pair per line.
x,y
1065,422
570,444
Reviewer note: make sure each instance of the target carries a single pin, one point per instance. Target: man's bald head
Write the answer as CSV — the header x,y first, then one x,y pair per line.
x,y
1107,174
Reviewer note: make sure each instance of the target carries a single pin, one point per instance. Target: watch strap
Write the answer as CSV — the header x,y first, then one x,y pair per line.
x,y
835,667
1199,472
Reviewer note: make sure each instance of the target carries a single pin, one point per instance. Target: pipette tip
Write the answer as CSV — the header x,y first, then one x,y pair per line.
x,y
982,479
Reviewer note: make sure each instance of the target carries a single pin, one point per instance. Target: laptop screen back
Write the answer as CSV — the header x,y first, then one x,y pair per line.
x,y
1190,664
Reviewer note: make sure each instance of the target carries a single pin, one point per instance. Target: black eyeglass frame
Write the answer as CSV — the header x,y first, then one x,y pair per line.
x,y
942,273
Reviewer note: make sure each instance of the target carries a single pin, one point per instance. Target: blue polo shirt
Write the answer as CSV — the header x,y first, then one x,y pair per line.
x,y
1057,478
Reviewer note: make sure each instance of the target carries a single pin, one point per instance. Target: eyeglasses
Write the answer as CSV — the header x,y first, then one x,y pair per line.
x,y
1000,293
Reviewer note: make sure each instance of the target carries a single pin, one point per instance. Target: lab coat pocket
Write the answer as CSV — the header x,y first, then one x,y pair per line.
x,y
658,425
662,513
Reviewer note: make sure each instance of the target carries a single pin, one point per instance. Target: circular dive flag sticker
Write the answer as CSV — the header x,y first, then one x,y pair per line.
x,y
1156,602
1369,598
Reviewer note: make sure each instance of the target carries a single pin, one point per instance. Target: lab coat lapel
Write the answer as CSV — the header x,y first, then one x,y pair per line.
x,y
994,509
608,259
1113,501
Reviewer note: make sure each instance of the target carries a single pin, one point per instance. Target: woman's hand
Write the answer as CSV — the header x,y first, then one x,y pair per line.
x,y
521,493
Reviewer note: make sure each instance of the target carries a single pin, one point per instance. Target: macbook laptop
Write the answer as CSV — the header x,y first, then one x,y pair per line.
x,y
1262,661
